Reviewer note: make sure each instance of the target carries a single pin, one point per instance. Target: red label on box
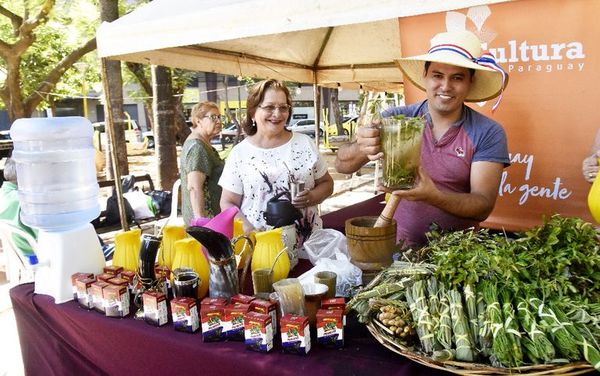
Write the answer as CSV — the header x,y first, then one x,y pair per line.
x,y
185,314
330,327
118,281
258,331
84,292
266,307
116,300
241,298
233,321
333,303
214,301
113,269
162,271
105,277
97,295
211,317
155,308
295,334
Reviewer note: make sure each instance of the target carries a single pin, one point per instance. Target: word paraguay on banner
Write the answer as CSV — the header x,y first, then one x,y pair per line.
x,y
555,191
554,57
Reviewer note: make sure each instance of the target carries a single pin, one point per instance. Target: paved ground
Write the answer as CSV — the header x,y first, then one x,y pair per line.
x,y
348,189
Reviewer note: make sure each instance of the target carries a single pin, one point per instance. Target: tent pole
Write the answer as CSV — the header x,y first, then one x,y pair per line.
x,y
113,150
317,103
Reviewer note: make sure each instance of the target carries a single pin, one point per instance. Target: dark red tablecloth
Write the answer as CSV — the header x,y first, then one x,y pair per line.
x,y
65,339
370,207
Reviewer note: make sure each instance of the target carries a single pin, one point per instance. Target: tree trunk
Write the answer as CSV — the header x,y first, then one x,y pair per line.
x,y
109,12
181,128
164,131
211,86
335,112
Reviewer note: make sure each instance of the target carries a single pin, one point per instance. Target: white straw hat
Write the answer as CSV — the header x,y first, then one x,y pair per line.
x,y
462,49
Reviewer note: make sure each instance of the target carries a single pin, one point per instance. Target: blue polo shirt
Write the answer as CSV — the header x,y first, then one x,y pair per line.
x,y
473,138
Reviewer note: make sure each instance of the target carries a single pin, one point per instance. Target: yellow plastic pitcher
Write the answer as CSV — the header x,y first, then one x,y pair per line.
x,y
188,254
267,247
166,254
127,249
594,199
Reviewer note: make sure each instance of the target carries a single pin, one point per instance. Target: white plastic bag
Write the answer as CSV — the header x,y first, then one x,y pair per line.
x,y
349,276
324,243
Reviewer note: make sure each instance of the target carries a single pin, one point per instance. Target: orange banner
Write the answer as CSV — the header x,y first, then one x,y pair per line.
x,y
551,108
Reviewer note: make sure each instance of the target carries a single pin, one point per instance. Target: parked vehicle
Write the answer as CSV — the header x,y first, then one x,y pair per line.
x,y
133,133
349,124
306,126
6,144
229,133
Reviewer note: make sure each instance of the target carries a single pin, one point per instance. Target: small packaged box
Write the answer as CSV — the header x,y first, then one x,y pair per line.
x,y
258,332
84,292
155,308
105,277
266,307
98,296
163,275
75,277
113,269
242,299
116,300
295,334
118,281
131,279
211,318
330,328
233,321
335,303
184,312
213,301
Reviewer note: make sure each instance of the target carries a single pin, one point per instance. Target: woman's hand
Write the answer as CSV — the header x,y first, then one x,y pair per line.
x,y
303,199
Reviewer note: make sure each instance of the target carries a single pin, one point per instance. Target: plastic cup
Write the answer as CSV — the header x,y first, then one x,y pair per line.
x,y
329,279
291,296
313,294
262,281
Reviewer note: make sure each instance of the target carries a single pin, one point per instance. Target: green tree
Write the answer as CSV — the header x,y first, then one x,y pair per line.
x,y
39,41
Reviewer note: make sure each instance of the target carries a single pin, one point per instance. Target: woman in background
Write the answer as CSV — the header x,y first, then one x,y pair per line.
x,y
201,165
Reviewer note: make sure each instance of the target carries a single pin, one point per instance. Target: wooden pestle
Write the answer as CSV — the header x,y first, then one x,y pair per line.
x,y
387,214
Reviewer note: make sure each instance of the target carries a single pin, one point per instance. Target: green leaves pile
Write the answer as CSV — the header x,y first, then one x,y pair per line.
x,y
513,302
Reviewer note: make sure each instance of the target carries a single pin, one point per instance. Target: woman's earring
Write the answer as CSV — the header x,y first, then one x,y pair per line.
x,y
253,123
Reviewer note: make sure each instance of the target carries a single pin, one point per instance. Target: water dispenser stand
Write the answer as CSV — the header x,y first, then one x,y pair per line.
x,y
63,253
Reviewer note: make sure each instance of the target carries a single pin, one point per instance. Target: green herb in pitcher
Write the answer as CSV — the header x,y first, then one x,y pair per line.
x,y
401,143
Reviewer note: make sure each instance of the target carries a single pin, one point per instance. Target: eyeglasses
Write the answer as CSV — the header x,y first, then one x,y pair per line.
x,y
214,117
284,109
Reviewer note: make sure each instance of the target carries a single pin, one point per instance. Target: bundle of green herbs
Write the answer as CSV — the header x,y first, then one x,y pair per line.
x,y
482,296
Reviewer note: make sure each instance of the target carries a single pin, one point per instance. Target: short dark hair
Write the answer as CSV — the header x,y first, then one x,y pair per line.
x,y
428,63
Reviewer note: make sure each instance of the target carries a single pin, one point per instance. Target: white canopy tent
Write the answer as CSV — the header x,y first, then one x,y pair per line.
x,y
348,43
325,42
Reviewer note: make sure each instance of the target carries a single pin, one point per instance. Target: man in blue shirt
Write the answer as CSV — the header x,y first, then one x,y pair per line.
x,y
463,152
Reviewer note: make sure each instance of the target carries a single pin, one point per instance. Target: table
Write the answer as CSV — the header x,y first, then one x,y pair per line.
x,y
337,219
65,339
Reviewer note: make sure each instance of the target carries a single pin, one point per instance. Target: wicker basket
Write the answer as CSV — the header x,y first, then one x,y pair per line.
x,y
466,368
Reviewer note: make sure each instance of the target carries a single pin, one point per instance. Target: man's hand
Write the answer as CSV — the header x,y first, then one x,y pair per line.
x,y
369,142
423,190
